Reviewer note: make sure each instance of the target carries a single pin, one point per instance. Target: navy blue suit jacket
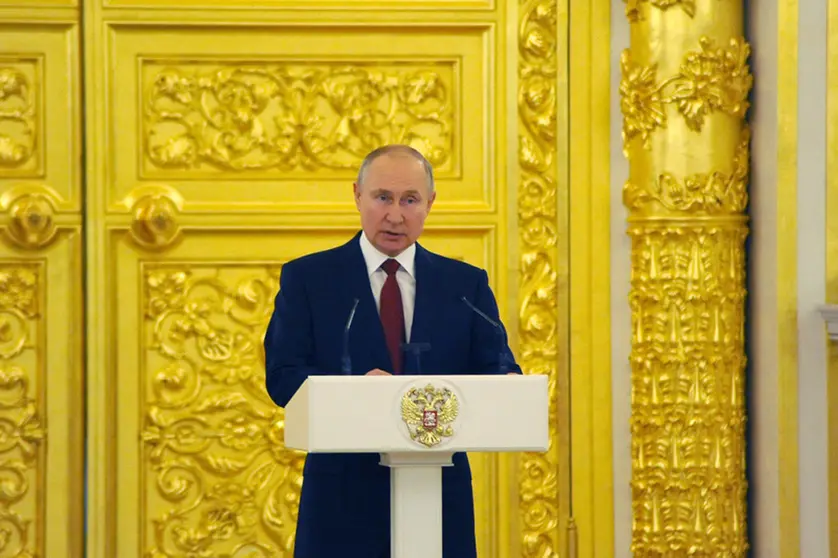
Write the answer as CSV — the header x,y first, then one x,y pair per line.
x,y
345,502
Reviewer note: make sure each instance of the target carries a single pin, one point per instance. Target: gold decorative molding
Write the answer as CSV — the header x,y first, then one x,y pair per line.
x,y
688,407
20,113
713,193
24,436
688,226
219,479
537,218
218,118
155,211
633,7
319,7
31,212
710,79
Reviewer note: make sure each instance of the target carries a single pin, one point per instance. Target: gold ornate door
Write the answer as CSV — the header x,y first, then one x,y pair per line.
x,y
41,284
160,163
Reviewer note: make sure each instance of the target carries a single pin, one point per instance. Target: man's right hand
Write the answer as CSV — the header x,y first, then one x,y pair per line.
x,y
377,372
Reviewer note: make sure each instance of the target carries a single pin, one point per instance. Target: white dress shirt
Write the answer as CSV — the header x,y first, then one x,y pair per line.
x,y
405,277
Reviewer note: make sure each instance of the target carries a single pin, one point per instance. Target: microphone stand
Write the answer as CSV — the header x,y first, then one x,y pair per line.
x,y
503,368
346,360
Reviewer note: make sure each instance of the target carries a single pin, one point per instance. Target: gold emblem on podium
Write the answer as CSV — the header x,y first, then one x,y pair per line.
x,y
428,413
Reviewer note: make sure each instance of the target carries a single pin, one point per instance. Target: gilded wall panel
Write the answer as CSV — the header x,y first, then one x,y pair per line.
x,y
41,451
22,409
216,120
41,400
217,477
291,109
311,4
21,114
39,92
29,5
199,123
210,473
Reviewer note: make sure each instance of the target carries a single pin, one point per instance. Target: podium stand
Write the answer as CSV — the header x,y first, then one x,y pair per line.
x,y
417,423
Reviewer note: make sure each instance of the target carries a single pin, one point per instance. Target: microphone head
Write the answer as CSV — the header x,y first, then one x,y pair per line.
x,y
351,315
346,362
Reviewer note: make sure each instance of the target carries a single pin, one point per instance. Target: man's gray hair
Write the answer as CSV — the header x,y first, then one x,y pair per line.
x,y
397,148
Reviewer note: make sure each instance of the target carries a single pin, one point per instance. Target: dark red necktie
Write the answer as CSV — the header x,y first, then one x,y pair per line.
x,y
392,314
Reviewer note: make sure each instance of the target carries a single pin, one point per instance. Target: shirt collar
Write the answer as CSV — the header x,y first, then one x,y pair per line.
x,y
374,257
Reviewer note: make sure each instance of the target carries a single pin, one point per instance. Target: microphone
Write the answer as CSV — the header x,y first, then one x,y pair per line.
x,y
502,356
346,361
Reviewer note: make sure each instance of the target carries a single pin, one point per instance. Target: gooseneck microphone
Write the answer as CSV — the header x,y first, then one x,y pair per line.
x,y
502,356
346,361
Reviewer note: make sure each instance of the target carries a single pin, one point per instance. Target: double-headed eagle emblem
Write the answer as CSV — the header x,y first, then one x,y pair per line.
x,y
428,414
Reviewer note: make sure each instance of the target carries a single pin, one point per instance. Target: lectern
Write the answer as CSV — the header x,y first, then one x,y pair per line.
x,y
417,423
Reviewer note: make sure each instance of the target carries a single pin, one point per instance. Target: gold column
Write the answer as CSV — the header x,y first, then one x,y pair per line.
x,y
684,88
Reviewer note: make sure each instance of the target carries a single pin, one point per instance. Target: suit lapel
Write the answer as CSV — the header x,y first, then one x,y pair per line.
x,y
367,333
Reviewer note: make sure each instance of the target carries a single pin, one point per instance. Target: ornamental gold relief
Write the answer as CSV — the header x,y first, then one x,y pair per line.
x,y
711,79
219,480
716,192
24,435
688,408
214,119
538,223
20,113
633,7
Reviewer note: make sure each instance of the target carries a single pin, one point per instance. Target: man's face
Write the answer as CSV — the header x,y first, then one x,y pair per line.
x,y
394,202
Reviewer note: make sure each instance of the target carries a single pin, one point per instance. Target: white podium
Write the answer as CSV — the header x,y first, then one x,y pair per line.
x,y
417,423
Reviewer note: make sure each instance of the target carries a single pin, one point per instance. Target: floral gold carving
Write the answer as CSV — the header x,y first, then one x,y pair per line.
x,y
19,115
22,432
633,7
219,480
710,79
293,117
716,192
537,217
688,226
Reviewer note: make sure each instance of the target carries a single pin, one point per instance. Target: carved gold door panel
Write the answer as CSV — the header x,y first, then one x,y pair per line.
x,y
41,328
140,258
220,151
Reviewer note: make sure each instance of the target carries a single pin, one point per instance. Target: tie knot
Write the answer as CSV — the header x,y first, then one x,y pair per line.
x,y
390,266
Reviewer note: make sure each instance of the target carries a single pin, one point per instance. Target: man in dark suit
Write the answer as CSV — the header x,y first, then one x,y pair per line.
x,y
405,294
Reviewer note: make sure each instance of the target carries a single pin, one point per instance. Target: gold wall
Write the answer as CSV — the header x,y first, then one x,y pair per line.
x,y
160,160
41,284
